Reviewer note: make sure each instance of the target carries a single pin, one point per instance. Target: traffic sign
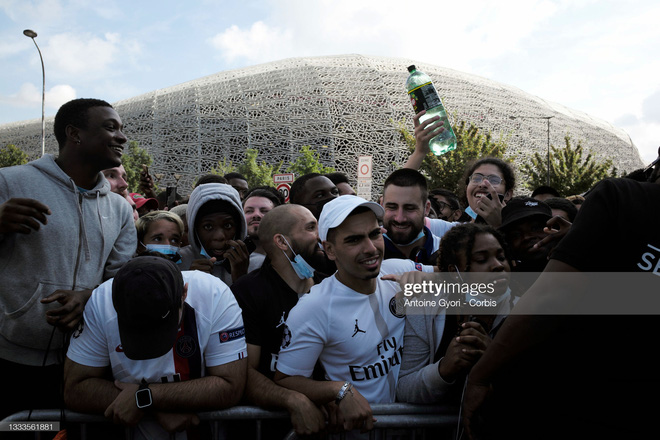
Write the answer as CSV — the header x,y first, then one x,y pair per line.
x,y
284,189
283,178
364,167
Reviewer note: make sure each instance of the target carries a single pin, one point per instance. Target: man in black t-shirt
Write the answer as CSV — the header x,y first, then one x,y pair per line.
x,y
551,373
289,236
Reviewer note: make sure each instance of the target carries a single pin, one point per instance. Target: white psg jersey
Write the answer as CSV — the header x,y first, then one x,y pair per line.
x,y
211,334
357,337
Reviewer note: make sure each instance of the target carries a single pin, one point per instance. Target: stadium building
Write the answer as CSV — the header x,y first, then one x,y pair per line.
x,y
343,106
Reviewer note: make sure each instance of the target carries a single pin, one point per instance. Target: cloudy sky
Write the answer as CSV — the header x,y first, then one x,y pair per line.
x,y
600,57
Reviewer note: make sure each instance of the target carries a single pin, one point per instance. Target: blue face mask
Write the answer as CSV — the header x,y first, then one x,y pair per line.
x,y
206,254
166,249
300,266
470,212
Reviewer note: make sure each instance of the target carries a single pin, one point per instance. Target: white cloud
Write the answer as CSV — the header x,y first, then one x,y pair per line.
x,y
29,95
443,33
78,54
258,44
33,13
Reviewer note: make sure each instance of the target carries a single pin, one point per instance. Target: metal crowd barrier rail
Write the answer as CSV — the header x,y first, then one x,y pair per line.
x,y
416,420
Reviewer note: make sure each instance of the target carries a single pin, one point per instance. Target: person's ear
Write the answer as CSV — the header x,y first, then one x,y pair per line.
x,y
427,208
280,242
185,293
72,133
508,194
329,249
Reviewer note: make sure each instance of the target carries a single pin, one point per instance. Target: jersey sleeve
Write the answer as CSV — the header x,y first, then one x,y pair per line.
x,y
227,341
303,338
88,344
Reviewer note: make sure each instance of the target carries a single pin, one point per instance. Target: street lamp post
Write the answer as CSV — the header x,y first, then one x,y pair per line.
x,y
547,118
32,34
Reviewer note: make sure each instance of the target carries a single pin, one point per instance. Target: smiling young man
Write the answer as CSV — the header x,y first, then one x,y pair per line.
x,y
348,322
405,199
62,233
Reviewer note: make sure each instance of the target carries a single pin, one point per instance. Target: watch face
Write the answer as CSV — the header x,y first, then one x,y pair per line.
x,y
143,398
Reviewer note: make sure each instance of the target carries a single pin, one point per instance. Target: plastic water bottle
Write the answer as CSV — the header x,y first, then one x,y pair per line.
x,y
424,97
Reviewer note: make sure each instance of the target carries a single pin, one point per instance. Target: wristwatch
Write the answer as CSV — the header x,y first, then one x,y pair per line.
x,y
143,396
345,389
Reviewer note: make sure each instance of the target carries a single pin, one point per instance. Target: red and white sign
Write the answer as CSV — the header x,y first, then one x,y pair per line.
x,y
364,167
284,189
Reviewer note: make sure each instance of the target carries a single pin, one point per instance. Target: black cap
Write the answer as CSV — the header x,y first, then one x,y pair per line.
x,y
146,293
411,68
519,208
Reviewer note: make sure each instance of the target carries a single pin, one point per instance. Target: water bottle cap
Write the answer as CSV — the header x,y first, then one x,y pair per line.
x,y
411,68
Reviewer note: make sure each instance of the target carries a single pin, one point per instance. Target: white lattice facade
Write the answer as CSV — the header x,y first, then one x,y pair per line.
x,y
345,106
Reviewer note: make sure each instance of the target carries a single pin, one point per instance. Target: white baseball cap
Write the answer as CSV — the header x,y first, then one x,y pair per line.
x,y
335,212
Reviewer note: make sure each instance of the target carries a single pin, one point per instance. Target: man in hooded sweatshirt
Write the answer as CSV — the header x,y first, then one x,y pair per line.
x,y
62,233
216,228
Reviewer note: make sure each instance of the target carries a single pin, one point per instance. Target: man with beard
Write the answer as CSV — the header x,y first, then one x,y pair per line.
x,y
256,204
405,199
349,321
289,236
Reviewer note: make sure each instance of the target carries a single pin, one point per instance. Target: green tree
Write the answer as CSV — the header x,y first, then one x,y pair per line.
x,y
256,173
308,162
570,172
11,155
133,158
446,171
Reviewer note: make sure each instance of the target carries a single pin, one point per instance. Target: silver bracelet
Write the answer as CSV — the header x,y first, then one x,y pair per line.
x,y
345,389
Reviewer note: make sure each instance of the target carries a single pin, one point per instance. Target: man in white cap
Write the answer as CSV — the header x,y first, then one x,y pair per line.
x,y
349,321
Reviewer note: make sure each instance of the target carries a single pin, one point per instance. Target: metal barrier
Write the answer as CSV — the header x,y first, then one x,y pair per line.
x,y
417,420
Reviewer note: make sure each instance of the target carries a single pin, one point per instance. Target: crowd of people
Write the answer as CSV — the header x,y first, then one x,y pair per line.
x,y
150,308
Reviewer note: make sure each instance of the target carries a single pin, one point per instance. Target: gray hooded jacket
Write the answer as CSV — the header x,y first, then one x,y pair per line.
x,y
206,193
89,235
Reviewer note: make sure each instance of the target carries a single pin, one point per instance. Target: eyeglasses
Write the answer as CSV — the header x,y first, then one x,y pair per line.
x,y
493,179
443,205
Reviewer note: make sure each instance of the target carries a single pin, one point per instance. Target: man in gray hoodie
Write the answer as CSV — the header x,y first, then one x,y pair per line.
x,y
216,230
62,233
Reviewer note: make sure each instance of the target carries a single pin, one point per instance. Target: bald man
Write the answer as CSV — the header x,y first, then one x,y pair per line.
x,y
289,236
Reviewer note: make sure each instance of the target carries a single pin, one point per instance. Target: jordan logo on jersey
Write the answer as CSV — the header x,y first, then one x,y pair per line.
x,y
281,323
357,329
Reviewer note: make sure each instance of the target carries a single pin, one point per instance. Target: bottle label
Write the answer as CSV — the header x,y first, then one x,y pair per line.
x,y
424,97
